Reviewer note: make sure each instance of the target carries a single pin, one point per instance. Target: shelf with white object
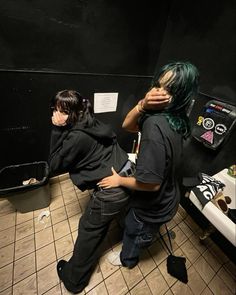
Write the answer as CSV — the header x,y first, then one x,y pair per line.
x,y
132,157
216,217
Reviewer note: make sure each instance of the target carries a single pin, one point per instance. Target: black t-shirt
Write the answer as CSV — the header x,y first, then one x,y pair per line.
x,y
159,146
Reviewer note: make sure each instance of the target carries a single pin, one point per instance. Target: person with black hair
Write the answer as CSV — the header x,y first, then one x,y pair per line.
x,y
156,193
86,148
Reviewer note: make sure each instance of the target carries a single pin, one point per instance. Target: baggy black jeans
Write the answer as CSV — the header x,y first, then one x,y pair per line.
x,y
102,208
137,235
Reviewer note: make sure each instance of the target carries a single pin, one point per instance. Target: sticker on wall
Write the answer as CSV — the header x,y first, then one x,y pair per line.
x,y
208,136
208,123
220,129
214,123
105,102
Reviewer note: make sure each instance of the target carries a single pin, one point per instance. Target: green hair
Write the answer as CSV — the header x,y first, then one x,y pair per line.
x,y
182,85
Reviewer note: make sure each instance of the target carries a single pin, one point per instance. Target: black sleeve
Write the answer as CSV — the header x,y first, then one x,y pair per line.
x,y
64,149
151,159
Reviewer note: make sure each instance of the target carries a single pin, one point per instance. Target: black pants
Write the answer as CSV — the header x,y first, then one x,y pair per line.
x,y
103,206
137,235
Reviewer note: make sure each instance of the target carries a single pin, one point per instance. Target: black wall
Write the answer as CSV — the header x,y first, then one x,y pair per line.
x,y
108,46
203,32
92,46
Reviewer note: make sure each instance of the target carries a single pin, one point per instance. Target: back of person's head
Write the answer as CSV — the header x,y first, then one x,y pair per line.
x,y
181,80
72,103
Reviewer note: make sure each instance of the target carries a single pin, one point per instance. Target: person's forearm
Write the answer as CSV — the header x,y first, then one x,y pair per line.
x,y
132,184
131,120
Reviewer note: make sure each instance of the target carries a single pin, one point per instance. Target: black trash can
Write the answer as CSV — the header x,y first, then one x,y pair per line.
x,y
34,193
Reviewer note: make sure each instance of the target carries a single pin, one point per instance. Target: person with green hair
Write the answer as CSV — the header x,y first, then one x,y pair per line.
x,y
156,194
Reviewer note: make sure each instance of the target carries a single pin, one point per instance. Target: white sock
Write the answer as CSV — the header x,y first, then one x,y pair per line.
x,y
114,258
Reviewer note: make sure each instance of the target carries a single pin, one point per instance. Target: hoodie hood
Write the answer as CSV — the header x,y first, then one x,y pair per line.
x,y
98,130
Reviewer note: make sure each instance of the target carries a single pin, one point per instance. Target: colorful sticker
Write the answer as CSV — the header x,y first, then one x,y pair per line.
x,y
200,120
208,123
220,129
208,136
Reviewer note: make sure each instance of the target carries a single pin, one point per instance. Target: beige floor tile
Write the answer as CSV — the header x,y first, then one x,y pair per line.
x,y
95,279
74,235
67,186
56,203
180,288
156,282
82,195
132,276
185,228
64,246
41,224
217,286
180,236
116,284
58,215
190,251
6,207
99,290
7,291
7,220
24,246
69,196
192,224
47,278
44,237
64,291
204,269
45,256
157,252
146,263
6,276
141,289
24,267
230,267
54,291
38,212
196,242
207,291
169,292
54,180
171,224
61,229
22,217
178,218
195,282
64,176
55,190
74,221
24,229
26,287
7,236
106,267
227,279
73,208
6,255
215,250
212,260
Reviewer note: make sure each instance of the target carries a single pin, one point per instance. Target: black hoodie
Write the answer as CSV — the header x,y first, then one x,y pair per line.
x,y
87,153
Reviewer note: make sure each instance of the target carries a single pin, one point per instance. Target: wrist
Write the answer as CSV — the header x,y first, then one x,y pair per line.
x,y
139,107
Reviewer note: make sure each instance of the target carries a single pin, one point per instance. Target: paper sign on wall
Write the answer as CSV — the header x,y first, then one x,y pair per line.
x,y
105,102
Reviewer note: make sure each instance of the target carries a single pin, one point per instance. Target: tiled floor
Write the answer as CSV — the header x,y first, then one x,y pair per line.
x,y
30,249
